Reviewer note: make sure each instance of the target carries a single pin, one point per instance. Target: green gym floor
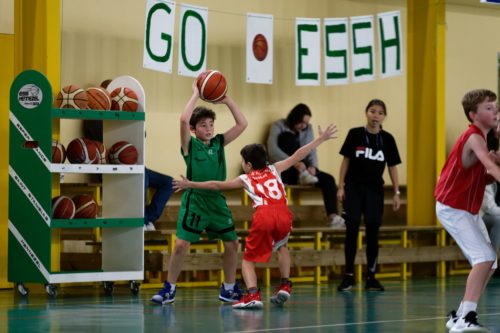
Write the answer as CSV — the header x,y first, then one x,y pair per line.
x,y
419,305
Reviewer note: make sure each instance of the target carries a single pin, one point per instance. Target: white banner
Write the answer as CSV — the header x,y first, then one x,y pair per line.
x,y
390,44
7,17
336,51
192,40
259,48
362,52
159,38
307,51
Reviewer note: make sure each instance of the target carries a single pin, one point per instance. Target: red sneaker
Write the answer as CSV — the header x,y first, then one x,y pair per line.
x,y
249,301
282,293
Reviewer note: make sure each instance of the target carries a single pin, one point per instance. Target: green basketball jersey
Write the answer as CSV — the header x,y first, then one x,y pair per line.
x,y
206,162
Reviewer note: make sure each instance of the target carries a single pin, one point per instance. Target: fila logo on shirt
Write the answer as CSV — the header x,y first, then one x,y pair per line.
x,y
367,153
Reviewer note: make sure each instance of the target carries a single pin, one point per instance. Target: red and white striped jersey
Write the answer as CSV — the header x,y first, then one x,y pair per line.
x,y
265,187
458,187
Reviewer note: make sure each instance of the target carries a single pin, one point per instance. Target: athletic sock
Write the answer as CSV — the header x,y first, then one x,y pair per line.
x,y
284,280
172,286
229,286
460,310
468,307
253,290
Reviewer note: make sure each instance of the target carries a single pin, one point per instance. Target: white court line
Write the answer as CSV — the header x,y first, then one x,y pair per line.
x,y
351,324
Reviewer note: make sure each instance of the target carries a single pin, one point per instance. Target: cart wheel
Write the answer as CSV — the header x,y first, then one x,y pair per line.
x,y
108,288
134,287
51,290
23,291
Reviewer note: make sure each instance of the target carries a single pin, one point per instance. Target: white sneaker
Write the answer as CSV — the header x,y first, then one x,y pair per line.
x,y
305,178
452,319
337,222
149,227
468,324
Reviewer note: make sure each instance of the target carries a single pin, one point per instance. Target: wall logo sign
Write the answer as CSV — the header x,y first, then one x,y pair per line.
x,y
30,96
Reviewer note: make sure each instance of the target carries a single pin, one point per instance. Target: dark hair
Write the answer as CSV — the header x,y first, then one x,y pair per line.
x,y
492,140
199,113
297,114
471,100
256,154
378,102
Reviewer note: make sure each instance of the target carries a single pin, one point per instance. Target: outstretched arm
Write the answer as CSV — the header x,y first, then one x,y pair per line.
x,y
184,183
239,118
305,150
185,117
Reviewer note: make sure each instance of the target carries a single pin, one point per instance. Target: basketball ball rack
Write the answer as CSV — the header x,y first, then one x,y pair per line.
x,y
33,238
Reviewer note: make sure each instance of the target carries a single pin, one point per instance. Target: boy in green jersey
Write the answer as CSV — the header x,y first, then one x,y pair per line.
x,y
205,209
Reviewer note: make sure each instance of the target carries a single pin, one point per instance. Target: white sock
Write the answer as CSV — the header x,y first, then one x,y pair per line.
x,y
460,310
468,307
229,286
172,286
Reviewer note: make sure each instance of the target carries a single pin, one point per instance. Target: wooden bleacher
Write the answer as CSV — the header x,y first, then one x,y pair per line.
x,y
316,250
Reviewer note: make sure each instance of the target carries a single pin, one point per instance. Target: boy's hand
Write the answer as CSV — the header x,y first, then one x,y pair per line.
x,y
194,87
180,184
328,133
223,100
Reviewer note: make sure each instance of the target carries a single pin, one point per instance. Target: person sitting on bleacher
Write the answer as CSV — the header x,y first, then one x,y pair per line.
x,y
288,135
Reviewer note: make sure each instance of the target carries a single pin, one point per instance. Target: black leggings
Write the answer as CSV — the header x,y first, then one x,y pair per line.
x,y
369,202
288,142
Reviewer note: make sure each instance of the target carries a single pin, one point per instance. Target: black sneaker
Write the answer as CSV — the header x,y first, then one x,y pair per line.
x,y
347,283
373,284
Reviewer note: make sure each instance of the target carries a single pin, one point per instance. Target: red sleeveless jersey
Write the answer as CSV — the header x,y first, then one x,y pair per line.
x,y
458,187
265,187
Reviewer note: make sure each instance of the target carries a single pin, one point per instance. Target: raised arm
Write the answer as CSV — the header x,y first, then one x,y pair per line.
x,y
240,121
232,184
305,150
185,117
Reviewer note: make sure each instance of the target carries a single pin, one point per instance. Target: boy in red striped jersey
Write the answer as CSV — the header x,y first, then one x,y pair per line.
x,y
271,221
459,194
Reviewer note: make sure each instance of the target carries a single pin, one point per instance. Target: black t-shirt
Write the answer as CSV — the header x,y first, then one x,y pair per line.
x,y
368,154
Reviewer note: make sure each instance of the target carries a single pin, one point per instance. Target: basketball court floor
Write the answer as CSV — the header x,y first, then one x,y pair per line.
x,y
419,305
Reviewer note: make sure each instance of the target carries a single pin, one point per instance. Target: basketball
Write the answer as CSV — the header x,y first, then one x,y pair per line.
x,y
85,207
98,98
211,85
81,151
124,99
259,47
63,207
123,152
101,152
72,97
58,152
104,84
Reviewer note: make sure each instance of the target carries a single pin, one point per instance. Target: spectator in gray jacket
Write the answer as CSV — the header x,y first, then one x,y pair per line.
x,y
288,135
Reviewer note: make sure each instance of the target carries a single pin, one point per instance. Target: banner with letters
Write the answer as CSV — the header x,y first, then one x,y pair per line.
x,y
259,48
363,48
336,51
159,37
307,51
192,40
390,44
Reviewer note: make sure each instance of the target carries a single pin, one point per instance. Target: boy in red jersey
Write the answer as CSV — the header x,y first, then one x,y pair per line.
x,y
459,194
271,221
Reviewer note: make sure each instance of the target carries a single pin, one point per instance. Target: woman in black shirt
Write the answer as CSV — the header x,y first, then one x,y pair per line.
x,y
366,151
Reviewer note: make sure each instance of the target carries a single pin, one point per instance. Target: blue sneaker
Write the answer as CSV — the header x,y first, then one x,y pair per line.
x,y
230,295
165,296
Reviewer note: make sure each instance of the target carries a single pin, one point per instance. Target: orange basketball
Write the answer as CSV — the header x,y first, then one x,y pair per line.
x,y
99,98
211,85
259,47
124,99
101,152
85,207
72,97
63,207
123,152
82,151
58,152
